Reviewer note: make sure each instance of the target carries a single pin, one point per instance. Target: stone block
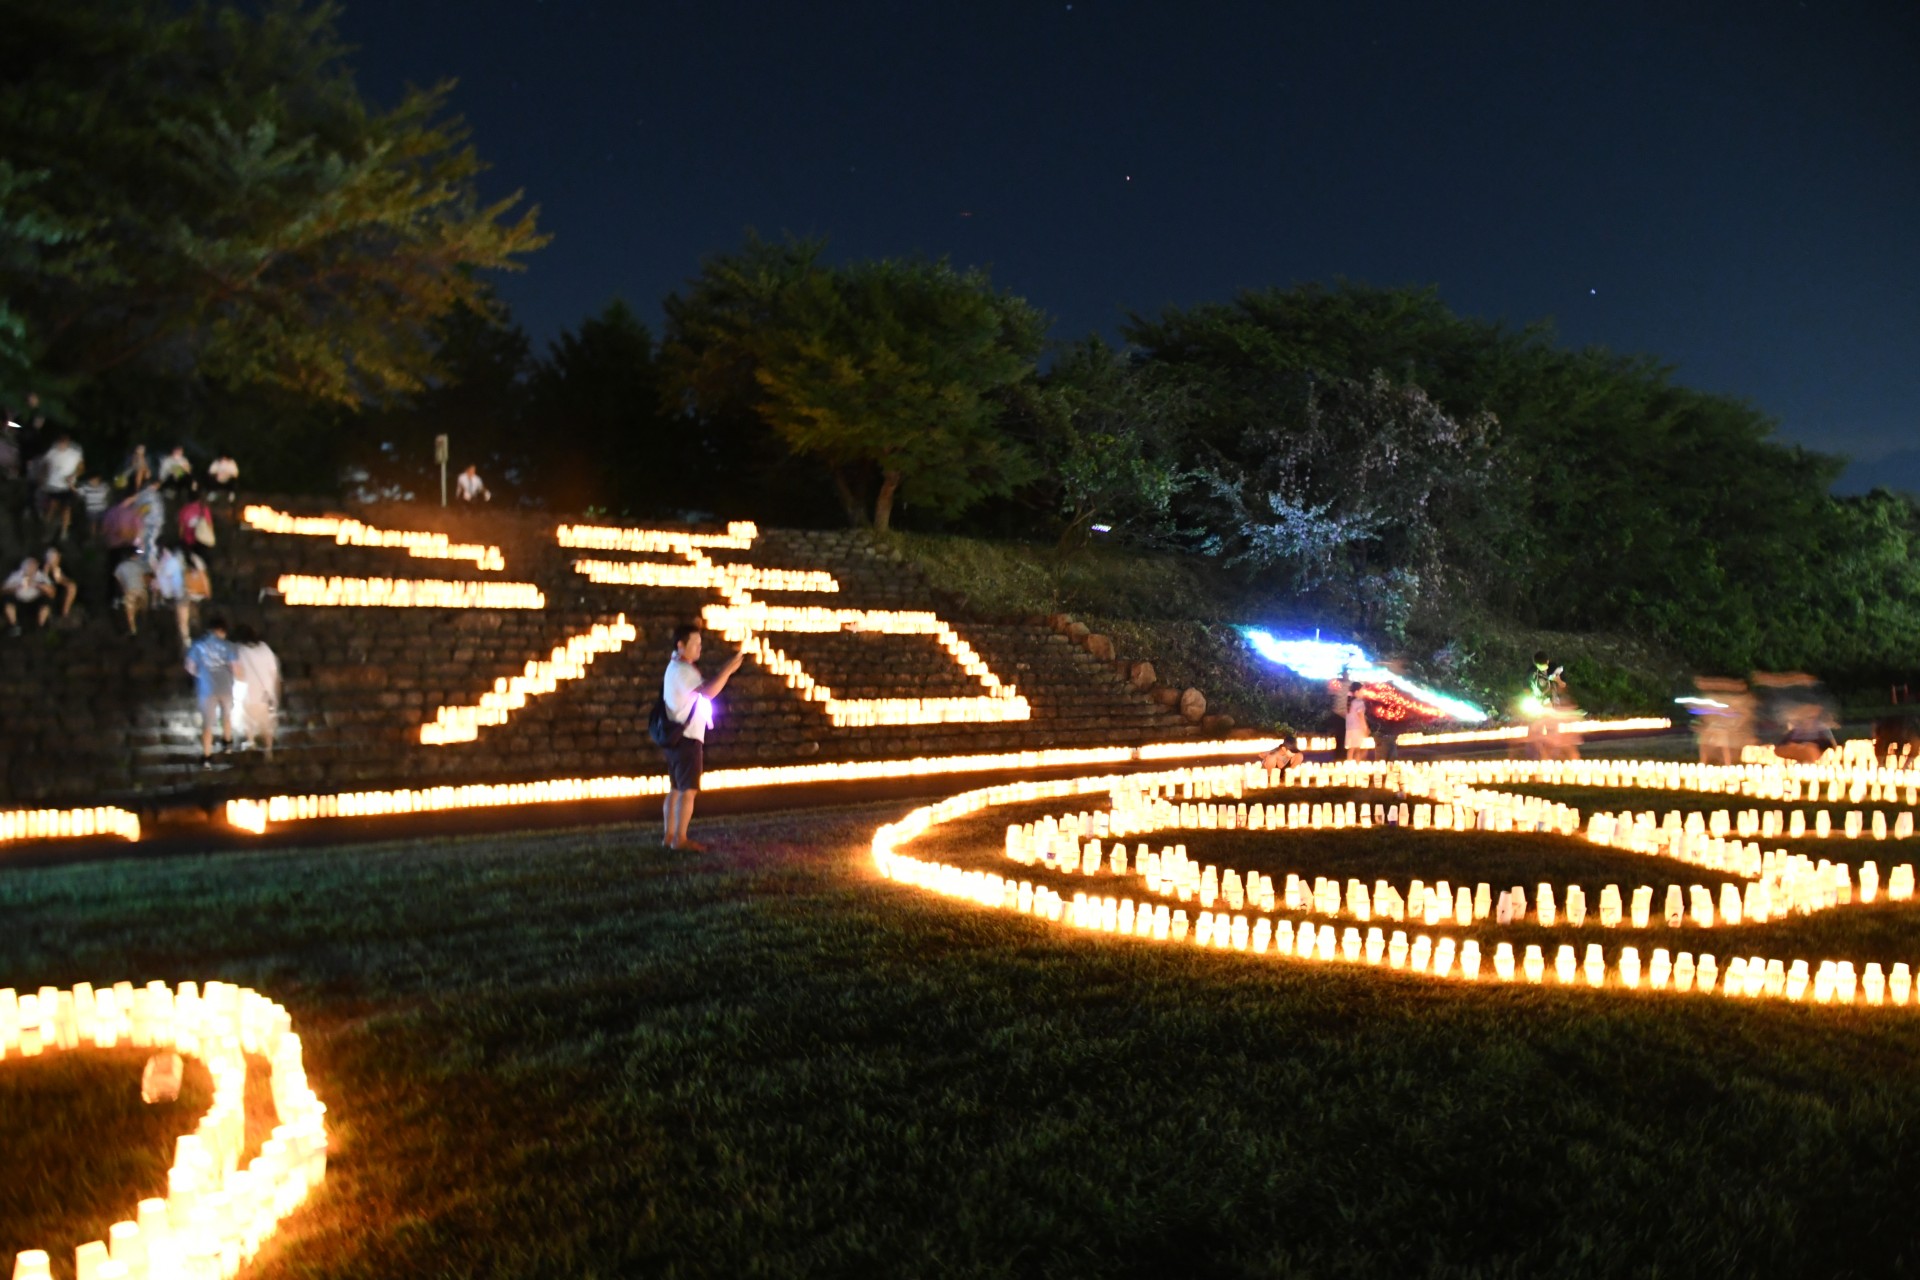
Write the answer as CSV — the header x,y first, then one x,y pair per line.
x,y
1193,704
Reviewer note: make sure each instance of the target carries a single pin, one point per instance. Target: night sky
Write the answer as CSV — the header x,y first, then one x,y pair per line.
x,y
1734,188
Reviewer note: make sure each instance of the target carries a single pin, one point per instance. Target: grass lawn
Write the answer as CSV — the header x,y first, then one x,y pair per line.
x,y
572,1053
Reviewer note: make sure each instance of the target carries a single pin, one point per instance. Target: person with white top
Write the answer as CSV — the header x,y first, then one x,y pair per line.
x,y
689,704
256,673
59,471
27,586
468,487
221,473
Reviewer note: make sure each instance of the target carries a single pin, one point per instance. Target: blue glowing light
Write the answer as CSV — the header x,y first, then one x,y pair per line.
x,y
1325,659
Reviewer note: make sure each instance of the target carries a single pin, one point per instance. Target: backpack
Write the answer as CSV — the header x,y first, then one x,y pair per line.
x,y
199,585
120,526
663,728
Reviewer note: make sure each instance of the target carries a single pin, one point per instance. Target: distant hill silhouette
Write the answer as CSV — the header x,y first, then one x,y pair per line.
x,y
1899,470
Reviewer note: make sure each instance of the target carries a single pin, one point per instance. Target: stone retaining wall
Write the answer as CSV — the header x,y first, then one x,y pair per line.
x,y
93,714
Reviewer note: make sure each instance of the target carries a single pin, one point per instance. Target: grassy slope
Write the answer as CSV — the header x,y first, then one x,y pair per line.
x,y
569,1053
1177,611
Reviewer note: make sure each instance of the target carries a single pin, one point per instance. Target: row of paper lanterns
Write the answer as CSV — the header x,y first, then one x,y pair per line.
x,y
1792,883
256,815
999,703
739,577
570,661
1171,872
216,1213
1746,976
67,824
1833,980
1457,737
739,536
345,531
1780,780
406,593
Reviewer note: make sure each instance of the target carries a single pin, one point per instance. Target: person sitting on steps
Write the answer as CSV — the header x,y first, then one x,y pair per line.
x,y
27,587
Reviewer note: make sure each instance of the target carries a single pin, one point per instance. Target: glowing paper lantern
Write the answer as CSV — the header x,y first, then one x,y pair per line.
x,y
348,532
216,1213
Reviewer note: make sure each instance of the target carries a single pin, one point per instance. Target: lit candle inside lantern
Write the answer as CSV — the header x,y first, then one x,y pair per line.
x,y
1534,965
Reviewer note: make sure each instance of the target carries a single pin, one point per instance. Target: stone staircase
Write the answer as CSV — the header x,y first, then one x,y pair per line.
x,y
94,714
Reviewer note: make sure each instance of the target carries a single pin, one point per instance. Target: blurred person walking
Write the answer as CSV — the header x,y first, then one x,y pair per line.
x,y
256,670
1358,731
135,472
195,523
221,474
176,472
59,472
1723,718
210,662
133,580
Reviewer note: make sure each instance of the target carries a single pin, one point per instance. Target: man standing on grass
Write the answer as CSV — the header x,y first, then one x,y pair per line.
x,y
689,704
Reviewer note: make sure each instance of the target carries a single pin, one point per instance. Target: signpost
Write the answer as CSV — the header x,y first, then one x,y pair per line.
x,y
440,453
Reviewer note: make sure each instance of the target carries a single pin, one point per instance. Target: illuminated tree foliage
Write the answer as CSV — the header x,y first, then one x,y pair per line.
x,y
894,374
1106,432
201,192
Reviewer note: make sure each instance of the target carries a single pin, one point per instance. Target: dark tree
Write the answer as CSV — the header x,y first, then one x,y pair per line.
x,y
202,193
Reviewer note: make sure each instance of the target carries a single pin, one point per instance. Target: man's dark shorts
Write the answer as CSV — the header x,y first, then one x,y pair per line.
x,y
685,760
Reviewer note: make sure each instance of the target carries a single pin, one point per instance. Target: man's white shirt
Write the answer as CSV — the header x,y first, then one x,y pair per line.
x,y
680,691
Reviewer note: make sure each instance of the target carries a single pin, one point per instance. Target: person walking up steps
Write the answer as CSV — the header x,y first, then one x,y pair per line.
x,y
687,701
210,663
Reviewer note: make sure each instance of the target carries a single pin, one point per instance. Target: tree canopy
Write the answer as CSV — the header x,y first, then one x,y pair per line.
x,y
1611,495
202,192
893,373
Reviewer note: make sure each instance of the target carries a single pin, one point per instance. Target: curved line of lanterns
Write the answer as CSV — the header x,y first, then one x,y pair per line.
x,y
1235,912
216,1213
255,814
